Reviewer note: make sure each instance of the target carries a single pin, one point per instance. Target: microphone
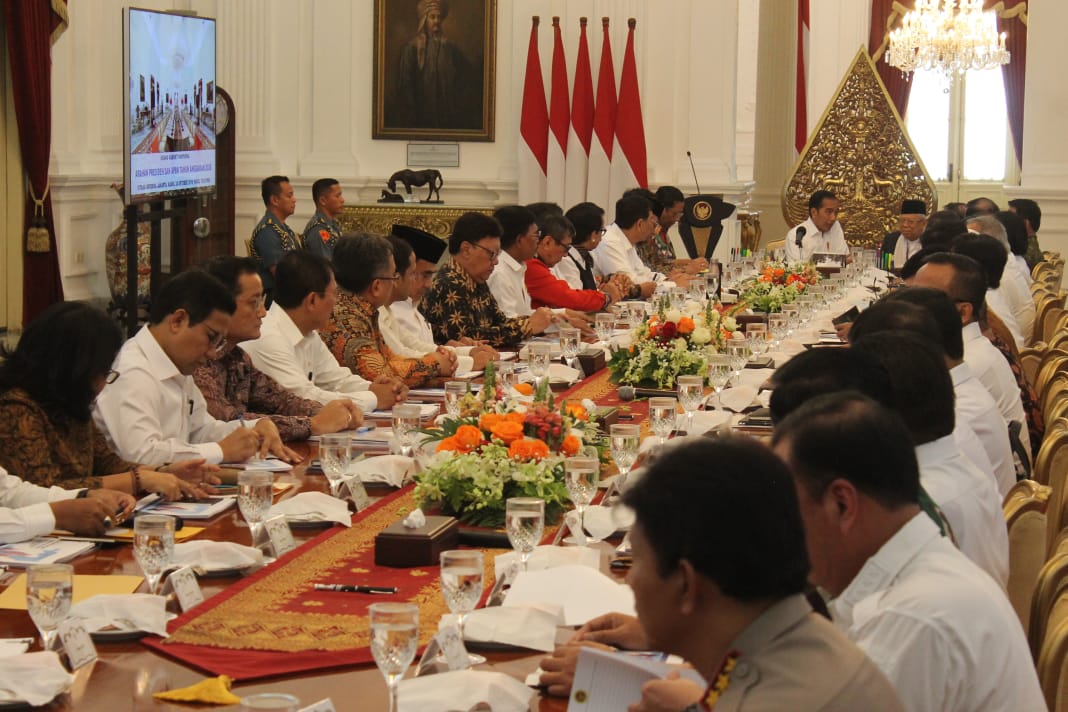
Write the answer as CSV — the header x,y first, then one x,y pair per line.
x,y
690,156
800,234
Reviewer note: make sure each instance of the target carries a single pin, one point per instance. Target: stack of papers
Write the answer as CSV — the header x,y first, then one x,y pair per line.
x,y
270,464
426,410
42,550
583,593
204,509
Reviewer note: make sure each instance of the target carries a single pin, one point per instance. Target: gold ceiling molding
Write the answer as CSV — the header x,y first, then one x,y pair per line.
x,y
860,151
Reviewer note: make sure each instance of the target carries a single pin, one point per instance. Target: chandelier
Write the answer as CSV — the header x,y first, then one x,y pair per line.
x,y
949,37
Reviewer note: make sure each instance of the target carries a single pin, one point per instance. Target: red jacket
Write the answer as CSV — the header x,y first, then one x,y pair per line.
x,y
546,290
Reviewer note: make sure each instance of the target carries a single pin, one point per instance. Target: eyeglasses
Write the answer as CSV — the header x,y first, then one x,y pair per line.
x,y
258,302
602,231
494,254
395,278
111,376
216,340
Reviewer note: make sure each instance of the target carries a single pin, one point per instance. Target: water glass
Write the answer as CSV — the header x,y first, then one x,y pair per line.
x,y
49,589
255,493
394,639
698,288
738,350
662,415
720,367
691,392
623,444
524,520
603,324
711,285
570,339
461,585
454,391
406,420
792,312
539,355
777,329
580,478
153,546
506,376
335,454
757,335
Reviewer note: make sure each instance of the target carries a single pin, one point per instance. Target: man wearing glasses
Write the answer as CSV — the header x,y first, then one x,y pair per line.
x,y
366,273
155,414
459,304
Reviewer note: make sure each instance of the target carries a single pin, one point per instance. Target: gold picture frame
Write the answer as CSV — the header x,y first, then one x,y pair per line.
x,y
434,70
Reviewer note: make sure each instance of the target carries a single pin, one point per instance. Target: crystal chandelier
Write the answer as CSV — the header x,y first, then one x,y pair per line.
x,y
949,37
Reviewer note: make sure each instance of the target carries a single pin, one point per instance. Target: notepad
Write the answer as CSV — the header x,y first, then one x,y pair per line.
x,y
85,586
270,464
193,510
609,681
126,533
42,550
426,410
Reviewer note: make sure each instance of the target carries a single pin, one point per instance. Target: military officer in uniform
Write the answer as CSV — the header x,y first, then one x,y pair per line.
x,y
272,238
323,231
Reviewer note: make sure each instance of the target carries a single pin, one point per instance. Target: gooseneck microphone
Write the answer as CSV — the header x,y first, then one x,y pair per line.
x,y
690,156
800,234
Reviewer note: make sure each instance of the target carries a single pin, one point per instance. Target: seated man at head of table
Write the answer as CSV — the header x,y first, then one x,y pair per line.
x,y
820,233
736,613
459,303
545,289
403,328
28,510
154,413
234,388
937,625
617,253
366,274
290,351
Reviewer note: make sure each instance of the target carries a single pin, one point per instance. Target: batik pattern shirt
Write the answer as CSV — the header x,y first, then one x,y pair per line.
x,y
456,306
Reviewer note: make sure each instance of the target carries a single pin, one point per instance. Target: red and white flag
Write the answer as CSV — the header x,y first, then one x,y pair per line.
x,y
598,188
533,127
559,119
629,168
801,95
581,133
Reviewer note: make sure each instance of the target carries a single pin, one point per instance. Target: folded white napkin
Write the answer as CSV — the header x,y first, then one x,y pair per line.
x,y
14,646
461,690
584,593
216,555
35,678
313,507
390,469
602,522
737,398
558,373
547,557
524,627
703,421
132,611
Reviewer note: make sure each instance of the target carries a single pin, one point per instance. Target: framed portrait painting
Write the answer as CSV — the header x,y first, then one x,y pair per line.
x,y
434,69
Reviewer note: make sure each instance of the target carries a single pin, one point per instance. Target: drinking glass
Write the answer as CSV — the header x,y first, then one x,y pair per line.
x,y
698,291
394,638
48,595
506,376
538,357
738,350
524,520
153,546
757,335
792,312
603,324
662,415
570,339
335,454
580,478
691,391
624,441
405,423
711,285
454,391
255,493
461,585
720,367
777,329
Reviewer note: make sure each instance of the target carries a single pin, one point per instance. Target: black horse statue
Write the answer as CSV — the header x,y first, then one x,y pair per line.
x,y
430,177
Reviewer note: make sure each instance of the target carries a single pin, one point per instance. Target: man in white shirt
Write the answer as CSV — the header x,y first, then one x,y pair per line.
x,y
155,414
820,233
289,348
635,223
939,627
1012,290
28,510
963,281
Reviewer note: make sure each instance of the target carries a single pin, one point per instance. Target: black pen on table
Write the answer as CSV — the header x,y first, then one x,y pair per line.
x,y
346,588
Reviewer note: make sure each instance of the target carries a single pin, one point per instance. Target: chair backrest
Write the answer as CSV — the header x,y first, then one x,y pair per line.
x,y
1045,302
1047,584
1027,545
1050,664
1030,361
248,246
1050,320
781,245
1056,406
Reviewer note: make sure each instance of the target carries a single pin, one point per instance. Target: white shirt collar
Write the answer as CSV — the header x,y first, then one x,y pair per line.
x,y
285,324
511,263
159,363
936,451
961,373
972,332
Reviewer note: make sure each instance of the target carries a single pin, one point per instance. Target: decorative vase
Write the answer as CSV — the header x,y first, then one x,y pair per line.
x,y
115,259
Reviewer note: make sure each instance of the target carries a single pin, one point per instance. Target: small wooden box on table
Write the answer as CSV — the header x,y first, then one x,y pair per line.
x,y
401,547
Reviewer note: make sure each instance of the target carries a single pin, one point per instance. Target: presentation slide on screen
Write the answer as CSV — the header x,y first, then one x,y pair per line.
x,y
172,103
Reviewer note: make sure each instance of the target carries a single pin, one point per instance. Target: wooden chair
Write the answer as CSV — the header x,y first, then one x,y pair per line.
x,y
1045,302
1050,321
781,245
1053,360
1030,360
248,248
1025,518
1047,585
1051,661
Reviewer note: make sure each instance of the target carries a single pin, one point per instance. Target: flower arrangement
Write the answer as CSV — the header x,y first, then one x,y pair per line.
x,y
497,449
778,283
672,343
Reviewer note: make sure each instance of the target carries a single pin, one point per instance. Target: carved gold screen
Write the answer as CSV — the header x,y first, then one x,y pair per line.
x,y
861,152
379,219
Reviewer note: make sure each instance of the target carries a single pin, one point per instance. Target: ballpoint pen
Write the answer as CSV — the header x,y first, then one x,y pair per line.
x,y
345,588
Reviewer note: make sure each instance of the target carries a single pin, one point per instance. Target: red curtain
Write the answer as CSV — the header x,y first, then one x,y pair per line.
x,y
32,26
884,17
1011,22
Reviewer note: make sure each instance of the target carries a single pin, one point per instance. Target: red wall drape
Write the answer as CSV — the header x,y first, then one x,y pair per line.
x,y
30,27
1014,72
897,84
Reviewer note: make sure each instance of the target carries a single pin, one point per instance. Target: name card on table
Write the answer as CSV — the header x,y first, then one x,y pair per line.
x,y
279,536
186,588
453,648
324,705
76,642
352,489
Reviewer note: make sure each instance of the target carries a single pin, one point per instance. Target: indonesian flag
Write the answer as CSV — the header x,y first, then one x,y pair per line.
x,y
533,127
628,156
559,119
801,96
581,133
598,188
